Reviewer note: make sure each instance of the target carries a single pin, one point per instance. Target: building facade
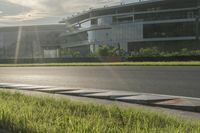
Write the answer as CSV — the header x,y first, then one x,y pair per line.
x,y
167,24
39,41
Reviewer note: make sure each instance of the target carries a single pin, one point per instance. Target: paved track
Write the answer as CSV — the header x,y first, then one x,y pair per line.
x,y
182,81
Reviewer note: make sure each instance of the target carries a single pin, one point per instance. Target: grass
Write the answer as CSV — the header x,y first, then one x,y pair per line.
x,y
173,63
28,114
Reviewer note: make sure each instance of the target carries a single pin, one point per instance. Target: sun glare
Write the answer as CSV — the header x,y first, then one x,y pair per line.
x,y
18,43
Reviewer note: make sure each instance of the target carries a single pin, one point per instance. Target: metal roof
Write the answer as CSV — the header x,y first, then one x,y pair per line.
x,y
113,7
129,4
85,15
56,27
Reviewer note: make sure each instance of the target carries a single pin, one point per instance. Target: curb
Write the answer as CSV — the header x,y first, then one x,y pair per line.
x,y
155,100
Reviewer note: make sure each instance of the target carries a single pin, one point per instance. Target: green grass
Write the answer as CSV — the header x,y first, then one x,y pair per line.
x,y
28,114
177,63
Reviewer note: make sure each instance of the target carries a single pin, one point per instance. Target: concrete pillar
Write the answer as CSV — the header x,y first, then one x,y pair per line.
x,y
197,21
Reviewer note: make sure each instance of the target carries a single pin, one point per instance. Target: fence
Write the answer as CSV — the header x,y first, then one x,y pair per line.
x,y
95,59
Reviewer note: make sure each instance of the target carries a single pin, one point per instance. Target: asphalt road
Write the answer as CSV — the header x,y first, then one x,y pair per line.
x,y
182,81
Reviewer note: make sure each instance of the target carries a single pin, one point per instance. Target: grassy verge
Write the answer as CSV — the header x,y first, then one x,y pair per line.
x,y
25,114
189,63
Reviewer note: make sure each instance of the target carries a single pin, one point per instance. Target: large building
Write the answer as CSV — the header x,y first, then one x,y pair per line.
x,y
167,24
37,41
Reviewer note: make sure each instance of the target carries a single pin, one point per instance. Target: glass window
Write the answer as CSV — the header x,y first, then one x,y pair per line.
x,y
181,29
94,22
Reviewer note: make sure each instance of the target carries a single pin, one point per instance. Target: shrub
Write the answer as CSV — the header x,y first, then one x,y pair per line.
x,y
146,52
66,52
149,52
105,50
195,52
155,52
92,55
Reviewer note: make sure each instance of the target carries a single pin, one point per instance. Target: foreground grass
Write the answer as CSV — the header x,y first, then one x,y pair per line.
x,y
173,63
26,114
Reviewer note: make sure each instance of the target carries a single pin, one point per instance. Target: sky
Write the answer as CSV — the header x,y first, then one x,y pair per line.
x,y
30,12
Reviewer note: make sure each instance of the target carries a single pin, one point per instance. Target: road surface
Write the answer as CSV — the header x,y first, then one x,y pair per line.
x,y
181,81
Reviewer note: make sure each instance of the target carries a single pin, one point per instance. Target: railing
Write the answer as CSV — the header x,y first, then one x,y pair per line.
x,y
94,27
97,59
75,44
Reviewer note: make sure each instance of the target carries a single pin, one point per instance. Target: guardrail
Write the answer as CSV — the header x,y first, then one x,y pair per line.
x,y
98,59
171,58
61,60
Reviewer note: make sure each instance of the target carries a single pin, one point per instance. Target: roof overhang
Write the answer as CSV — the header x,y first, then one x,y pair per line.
x,y
112,9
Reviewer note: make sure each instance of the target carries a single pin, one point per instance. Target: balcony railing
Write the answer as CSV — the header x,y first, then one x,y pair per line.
x,y
75,44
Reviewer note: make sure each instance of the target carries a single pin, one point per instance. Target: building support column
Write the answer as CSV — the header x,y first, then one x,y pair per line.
x,y
197,28
197,22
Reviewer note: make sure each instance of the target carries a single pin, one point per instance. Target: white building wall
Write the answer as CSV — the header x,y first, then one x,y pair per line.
x,y
127,32
51,53
118,34
100,36
7,40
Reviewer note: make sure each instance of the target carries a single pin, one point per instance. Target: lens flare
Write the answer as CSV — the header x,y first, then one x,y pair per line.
x,y
19,36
